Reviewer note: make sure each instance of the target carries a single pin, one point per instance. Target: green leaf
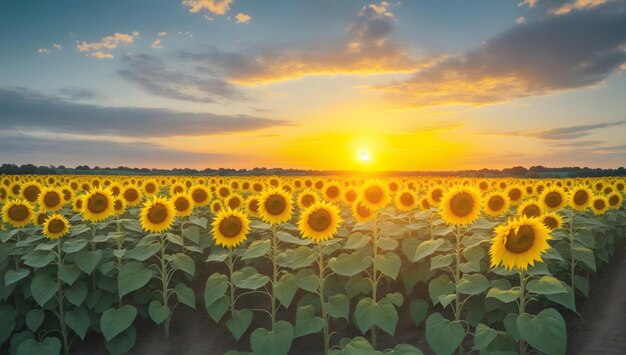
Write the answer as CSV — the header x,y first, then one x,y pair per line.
x,y
34,318
510,324
249,278
505,296
307,322
389,264
257,248
405,349
43,288
185,295
356,241
473,284
396,298
216,286
566,299
183,262
382,314
76,294
73,245
87,261
418,310
307,280
349,264
38,258
426,248
585,255
582,284
49,346
440,286
122,343
69,273
132,276
483,336
443,336
217,309
285,289
114,321
439,261
546,285
199,221
240,322
338,306
192,233
297,258
142,252
78,320
13,276
386,243
289,238
158,312
544,332
276,342
217,254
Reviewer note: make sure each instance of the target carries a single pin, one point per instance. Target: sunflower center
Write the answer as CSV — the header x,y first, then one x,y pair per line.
x,y
483,185
230,227
599,204
79,203
374,194
67,195
436,195
51,199
178,189
320,220
181,204
224,192
254,206
115,190
613,200
199,195
553,199
532,211
550,222
18,213
307,200
234,203
462,204
351,196
363,211
97,203
495,203
332,192
41,218
56,226
157,214
319,185
581,197
31,193
407,199
515,194
131,195
425,204
118,205
150,188
275,205
521,241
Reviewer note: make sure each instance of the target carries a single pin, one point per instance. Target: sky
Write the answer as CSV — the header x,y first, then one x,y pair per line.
x,y
326,84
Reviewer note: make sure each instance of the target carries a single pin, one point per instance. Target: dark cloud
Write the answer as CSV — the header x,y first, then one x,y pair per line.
x,y
562,133
151,74
25,109
573,50
78,93
20,148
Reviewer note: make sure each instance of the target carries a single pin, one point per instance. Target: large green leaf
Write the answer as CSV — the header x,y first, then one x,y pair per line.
x,y
546,285
307,322
43,288
132,276
78,320
38,258
34,318
142,252
114,321
418,310
382,314
483,336
183,262
440,286
13,276
239,322
122,343
338,306
426,248
505,296
389,264
443,336
69,273
216,286
297,258
357,241
73,245
217,309
158,312
544,332
185,295
585,255
276,342
249,278
48,346
440,261
87,261
349,264
256,249
307,280
76,294
285,289
473,284
566,299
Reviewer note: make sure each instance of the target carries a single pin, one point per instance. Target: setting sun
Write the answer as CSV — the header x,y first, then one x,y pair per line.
x,y
364,157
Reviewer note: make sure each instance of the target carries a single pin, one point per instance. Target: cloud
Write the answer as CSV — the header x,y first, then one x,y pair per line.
x,y
520,20
43,50
365,48
162,34
218,7
72,152
575,50
151,74
23,109
95,49
157,43
57,46
562,133
577,5
78,93
243,18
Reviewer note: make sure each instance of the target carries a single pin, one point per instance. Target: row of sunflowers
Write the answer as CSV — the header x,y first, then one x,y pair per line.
x,y
469,265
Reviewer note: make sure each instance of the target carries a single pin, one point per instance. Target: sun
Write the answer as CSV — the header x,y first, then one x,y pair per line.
x,y
364,157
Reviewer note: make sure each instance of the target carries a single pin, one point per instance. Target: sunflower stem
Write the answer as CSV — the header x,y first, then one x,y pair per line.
x,y
522,305
165,283
457,280
231,267
374,278
320,264
61,313
274,252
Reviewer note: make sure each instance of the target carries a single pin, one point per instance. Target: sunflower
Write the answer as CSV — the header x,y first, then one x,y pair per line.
x,y
615,200
515,195
530,208
40,218
424,204
496,203
230,228
519,243
30,191
234,201
406,200
252,206
68,195
4,193
599,204
119,206
360,212
56,226
183,204
319,222
276,206
332,192
434,195
553,198
150,187
157,215
552,220
257,187
115,189
580,198
350,195
17,213
460,205
50,199
306,198
223,191
374,195
200,195
177,188
216,206
97,205
132,195
77,204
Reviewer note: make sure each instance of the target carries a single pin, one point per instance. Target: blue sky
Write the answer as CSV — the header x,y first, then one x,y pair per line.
x,y
416,85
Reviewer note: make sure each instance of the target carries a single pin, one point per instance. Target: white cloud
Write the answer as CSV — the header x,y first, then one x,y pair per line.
x,y
157,43
162,34
43,50
57,46
578,5
208,18
101,55
95,49
218,7
243,18
529,3
521,20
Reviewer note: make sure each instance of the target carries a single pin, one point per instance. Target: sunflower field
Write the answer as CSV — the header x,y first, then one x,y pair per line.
x,y
470,265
